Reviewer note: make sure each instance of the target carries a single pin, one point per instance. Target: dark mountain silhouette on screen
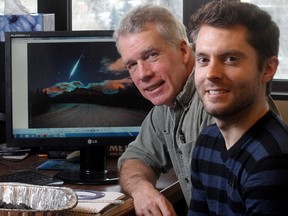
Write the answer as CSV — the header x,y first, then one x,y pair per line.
x,y
116,93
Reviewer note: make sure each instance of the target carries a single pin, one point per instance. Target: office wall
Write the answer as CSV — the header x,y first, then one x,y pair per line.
x,y
61,9
283,107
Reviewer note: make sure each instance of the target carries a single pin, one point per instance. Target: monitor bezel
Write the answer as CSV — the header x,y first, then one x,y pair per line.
x,y
51,143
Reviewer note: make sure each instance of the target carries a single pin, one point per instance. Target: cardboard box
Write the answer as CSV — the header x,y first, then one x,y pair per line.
x,y
27,22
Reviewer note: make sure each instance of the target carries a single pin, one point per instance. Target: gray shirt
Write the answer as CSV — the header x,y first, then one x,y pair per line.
x,y
168,136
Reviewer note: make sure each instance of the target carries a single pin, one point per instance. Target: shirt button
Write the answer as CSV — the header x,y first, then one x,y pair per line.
x,y
187,180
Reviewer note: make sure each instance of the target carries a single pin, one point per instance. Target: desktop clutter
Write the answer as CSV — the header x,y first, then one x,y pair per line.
x,y
13,154
26,196
27,199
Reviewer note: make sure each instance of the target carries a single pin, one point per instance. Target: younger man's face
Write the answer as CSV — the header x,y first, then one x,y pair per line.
x,y
227,76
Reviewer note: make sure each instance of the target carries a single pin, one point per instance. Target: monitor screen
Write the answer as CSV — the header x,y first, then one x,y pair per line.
x,y
70,90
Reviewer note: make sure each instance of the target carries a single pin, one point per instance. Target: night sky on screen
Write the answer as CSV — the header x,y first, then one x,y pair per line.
x,y
87,62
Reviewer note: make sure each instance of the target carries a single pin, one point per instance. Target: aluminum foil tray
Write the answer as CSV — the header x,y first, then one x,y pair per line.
x,y
44,200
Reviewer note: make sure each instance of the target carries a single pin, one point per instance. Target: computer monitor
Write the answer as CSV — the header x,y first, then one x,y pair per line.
x,y
71,90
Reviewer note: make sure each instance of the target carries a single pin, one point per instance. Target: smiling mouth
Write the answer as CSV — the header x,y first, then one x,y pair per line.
x,y
216,92
153,87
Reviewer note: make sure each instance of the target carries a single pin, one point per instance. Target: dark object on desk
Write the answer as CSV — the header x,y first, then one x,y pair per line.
x,y
57,154
12,206
30,177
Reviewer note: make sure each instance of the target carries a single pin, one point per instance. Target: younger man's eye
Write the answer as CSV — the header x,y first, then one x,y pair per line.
x,y
231,59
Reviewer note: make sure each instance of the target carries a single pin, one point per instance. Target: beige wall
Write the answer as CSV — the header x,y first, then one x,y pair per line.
x,y
283,107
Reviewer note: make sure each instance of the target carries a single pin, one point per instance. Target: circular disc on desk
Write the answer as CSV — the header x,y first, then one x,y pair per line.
x,y
89,194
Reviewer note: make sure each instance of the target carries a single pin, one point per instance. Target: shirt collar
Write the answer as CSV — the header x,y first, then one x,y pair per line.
x,y
188,91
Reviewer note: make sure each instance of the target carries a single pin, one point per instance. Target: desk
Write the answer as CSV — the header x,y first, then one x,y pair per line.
x,y
167,184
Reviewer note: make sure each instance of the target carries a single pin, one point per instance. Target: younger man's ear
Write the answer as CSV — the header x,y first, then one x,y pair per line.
x,y
270,68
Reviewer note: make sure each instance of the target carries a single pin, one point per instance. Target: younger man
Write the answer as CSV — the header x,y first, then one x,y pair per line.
x,y
239,164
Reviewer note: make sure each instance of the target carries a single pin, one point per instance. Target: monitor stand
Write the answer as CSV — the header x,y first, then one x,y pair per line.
x,y
92,168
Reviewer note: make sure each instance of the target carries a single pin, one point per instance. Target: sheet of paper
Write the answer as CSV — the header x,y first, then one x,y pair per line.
x,y
92,205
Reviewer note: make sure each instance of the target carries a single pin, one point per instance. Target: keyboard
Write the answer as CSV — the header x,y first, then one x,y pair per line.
x,y
30,177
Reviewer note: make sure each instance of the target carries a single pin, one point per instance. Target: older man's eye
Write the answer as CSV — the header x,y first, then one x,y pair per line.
x,y
202,60
131,67
151,56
